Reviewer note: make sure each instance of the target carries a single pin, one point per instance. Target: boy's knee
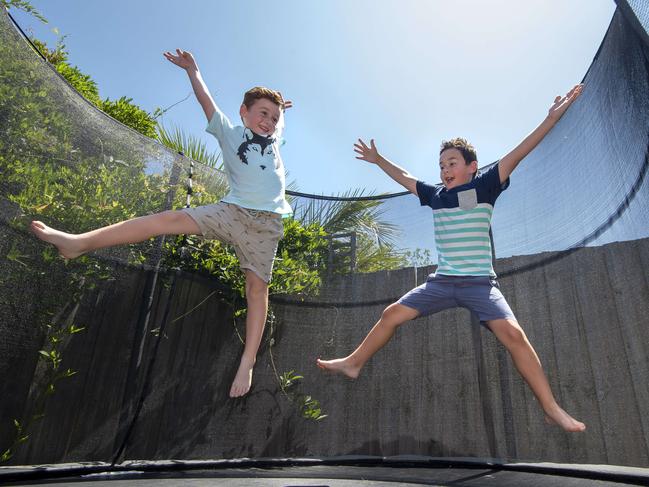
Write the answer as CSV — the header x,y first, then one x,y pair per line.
x,y
509,332
255,286
391,316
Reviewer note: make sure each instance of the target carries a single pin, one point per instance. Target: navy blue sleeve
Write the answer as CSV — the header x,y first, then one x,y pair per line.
x,y
490,182
426,193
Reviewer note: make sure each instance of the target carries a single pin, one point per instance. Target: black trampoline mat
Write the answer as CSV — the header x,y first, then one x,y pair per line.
x,y
168,474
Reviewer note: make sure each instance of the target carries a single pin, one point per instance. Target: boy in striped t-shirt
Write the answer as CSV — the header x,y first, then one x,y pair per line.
x,y
462,209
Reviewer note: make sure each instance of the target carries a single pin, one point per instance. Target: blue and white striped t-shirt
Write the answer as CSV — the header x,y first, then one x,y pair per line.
x,y
462,217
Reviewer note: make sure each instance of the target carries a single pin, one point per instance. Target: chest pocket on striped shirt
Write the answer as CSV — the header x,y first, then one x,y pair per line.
x,y
468,199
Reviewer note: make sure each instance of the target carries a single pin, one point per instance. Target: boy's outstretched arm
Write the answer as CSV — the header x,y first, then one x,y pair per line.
x,y
185,60
400,175
561,103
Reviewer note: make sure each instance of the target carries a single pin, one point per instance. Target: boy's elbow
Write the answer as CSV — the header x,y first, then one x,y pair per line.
x,y
411,185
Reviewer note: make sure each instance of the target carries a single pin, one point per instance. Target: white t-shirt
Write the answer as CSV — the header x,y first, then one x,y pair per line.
x,y
253,166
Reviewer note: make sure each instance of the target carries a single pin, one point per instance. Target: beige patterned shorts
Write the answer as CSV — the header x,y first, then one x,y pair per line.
x,y
254,234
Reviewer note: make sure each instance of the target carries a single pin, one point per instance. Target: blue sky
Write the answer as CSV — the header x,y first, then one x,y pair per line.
x,y
408,73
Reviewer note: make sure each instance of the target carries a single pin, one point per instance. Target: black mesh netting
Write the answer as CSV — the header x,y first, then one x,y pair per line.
x,y
129,353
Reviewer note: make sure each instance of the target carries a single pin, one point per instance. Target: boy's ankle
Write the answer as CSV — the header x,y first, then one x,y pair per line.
x,y
248,360
352,363
550,406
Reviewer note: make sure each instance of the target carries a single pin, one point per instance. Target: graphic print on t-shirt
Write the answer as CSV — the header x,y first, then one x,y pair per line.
x,y
252,165
255,143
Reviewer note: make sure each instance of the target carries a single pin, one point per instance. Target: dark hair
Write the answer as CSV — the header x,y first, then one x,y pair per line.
x,y
254,94
467,150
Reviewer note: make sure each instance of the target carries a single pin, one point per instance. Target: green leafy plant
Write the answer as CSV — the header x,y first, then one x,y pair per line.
x,y
309,407
375,237
131,115
177,140
58,329
419,257
20,437
25,6
51,359
81,82
122,109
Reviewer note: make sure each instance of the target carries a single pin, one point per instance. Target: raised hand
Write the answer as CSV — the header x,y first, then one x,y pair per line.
x,y
286,103
369,154
182,59
561,103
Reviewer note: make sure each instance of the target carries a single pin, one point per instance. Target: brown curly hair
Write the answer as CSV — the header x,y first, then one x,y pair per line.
x,y
254,94
461,144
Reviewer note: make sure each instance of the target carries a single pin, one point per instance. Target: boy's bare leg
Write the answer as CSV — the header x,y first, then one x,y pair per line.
x,y
129,231
512,336
257,298
393,316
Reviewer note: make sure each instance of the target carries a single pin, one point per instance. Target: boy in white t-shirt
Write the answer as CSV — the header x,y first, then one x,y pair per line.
x,y
249,217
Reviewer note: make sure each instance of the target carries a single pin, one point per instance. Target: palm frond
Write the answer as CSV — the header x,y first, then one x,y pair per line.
x,y
364,216
194,148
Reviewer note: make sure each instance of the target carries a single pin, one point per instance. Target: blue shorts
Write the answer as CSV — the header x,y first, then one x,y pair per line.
x,y
479,294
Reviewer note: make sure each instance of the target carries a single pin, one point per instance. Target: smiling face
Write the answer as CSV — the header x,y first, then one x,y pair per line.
x,y
454,170
261,117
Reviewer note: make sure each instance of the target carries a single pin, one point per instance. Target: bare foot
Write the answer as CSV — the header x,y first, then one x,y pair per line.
x,y
558,416
66,243
243,379
340,366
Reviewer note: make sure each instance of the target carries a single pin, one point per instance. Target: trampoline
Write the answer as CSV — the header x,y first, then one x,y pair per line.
x,y
116,367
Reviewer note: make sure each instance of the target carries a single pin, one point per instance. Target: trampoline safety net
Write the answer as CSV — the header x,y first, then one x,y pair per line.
x,y
128,353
